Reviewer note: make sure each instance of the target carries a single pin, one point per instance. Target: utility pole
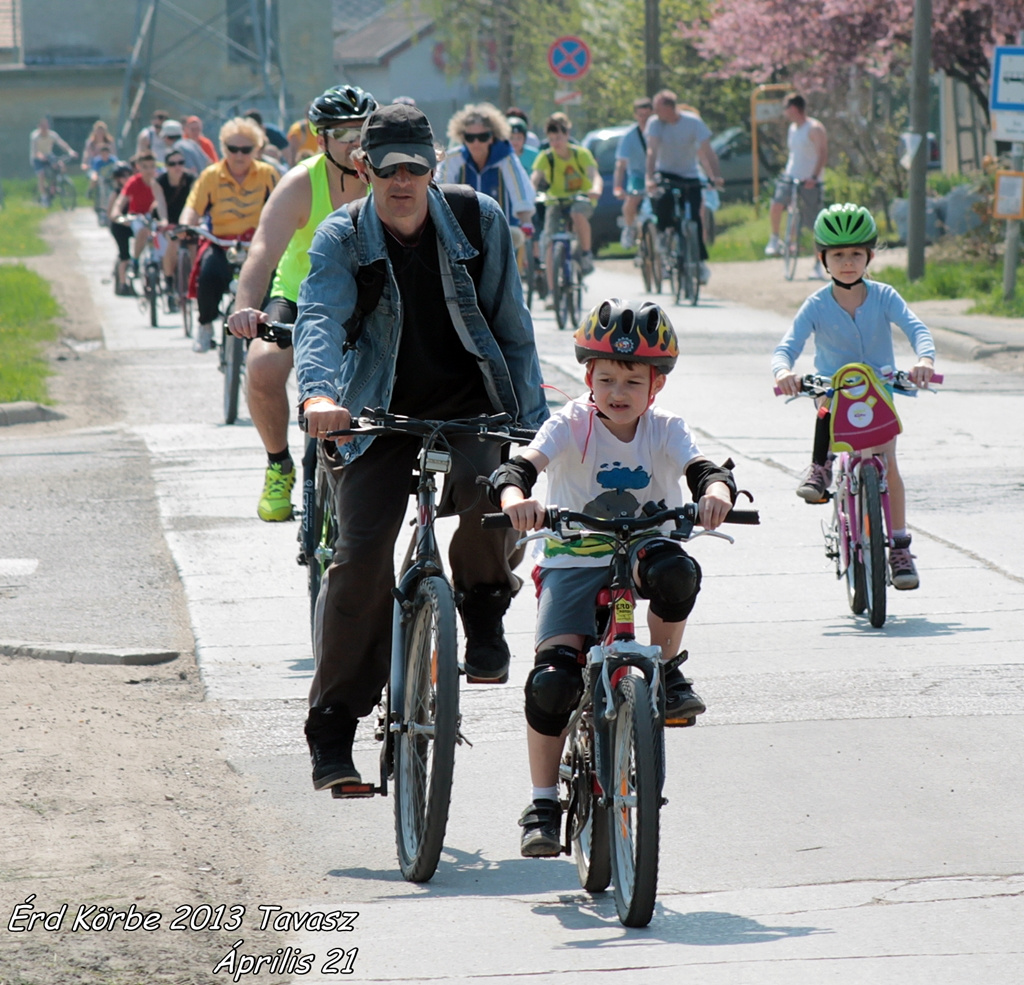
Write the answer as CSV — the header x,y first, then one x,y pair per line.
x,y
920,87
652,46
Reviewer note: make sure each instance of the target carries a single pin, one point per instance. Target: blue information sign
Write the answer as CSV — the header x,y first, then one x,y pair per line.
x,y
569,58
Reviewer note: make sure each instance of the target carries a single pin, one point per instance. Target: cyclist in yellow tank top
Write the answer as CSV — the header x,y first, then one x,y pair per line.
x,y
306,195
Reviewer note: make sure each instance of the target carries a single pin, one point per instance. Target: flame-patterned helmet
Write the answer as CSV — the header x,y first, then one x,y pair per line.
x,y
628,331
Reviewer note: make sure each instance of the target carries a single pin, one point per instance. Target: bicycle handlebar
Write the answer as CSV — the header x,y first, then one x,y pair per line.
x,y
275,331
816,385
380,421
555,516
206,234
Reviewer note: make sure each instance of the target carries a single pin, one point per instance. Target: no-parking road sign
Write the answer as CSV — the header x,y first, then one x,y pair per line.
x,y
569,58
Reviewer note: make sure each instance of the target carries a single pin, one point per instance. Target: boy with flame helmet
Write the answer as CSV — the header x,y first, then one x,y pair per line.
x,y
599,451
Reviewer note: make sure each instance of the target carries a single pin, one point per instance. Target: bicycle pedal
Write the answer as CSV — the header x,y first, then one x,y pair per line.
x,y
681,722
352,791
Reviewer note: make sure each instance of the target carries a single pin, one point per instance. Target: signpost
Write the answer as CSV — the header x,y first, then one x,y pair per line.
x,y
1006,101
765,106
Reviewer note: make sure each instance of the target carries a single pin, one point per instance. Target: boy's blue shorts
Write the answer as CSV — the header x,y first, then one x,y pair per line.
x,y
567,600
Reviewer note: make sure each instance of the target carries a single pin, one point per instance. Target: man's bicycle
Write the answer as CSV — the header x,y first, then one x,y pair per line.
x,y
790,243
681,247
648,256
146,274
613,769
567,282
186,239
859,535
58,187
231,348
419,722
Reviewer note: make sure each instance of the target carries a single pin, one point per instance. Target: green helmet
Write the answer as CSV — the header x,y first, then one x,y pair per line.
x,y
844,225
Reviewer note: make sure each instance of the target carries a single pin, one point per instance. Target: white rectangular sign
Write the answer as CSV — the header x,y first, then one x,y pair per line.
x,y
1007,91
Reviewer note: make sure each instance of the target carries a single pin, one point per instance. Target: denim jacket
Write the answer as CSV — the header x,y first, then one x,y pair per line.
x,y
498,322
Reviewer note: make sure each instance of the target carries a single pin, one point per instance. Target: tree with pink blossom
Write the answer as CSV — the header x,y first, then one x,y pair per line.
x,y
815,43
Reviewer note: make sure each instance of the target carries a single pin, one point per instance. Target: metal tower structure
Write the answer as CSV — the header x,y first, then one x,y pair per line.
x,y
152,61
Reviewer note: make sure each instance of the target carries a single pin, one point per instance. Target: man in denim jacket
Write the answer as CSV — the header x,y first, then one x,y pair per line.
x,y
423,351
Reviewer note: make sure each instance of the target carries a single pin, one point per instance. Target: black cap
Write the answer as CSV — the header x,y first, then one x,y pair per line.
x,y
398,134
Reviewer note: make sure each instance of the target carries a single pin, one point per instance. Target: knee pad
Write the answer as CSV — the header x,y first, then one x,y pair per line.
x,y
553,689
669,577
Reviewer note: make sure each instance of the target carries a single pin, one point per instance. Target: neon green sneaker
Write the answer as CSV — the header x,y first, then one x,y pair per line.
x,y
276,501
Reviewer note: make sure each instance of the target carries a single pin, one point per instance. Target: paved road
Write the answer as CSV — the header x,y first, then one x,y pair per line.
x,y
849,808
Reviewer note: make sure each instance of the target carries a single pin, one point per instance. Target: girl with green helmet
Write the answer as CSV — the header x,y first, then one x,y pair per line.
x,y
851,321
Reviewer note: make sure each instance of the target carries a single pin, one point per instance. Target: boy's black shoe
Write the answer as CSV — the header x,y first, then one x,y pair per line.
x,y
329,733
542,829
487,654
681,701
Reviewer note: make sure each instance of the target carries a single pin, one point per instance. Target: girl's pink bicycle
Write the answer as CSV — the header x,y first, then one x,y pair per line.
x,y
859,536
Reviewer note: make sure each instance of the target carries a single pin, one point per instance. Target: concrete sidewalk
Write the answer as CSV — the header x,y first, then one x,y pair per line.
x,y
965,337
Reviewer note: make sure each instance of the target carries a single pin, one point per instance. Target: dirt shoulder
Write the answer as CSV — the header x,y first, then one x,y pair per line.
x,y
119,796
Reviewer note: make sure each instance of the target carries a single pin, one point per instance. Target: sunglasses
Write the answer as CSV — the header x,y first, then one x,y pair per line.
x,y
482,137
344,136
232,149
175,164
416,170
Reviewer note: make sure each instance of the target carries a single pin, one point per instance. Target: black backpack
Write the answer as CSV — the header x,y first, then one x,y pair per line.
x,y
370,279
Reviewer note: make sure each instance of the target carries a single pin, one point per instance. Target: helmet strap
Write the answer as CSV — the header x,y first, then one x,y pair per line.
x,y
839,283
341,167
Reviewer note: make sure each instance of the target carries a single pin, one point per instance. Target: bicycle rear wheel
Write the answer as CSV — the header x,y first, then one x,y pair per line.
x,y
425,747
873,543
234,358
791,243
586,820
636,802
561,293
691,261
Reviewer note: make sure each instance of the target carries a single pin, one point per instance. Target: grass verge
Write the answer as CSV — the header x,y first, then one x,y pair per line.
x,y
982,282
19,228
27,325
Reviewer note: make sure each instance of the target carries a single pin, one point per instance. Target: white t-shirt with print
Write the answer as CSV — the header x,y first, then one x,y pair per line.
x,y
591,471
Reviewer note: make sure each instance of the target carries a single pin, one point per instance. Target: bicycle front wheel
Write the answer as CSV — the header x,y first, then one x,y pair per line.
x,y
636,802
67,193
425,746
691,262
182,271
587,820
562,284
650,259
873,543
850,562
671,262
153,293
234,357
791,243
322,532
530,272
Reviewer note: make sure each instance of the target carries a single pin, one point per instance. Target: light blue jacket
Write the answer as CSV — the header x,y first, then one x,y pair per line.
x,y
840,339
499,326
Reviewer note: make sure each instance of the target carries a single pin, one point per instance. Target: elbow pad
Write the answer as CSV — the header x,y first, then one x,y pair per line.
x,y
702,473
518,472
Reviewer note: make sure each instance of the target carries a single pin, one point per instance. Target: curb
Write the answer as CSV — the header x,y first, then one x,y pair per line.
x,y
87,654
26,412
966,347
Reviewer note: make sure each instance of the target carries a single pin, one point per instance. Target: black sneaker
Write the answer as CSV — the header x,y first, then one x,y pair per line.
x,y
329,733
681,701
487,653
542,829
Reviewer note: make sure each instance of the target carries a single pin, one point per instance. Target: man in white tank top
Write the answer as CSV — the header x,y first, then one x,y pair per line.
x,y
808,153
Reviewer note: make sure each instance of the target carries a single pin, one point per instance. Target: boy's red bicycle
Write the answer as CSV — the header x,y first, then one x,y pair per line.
x,y
859,535
613,769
